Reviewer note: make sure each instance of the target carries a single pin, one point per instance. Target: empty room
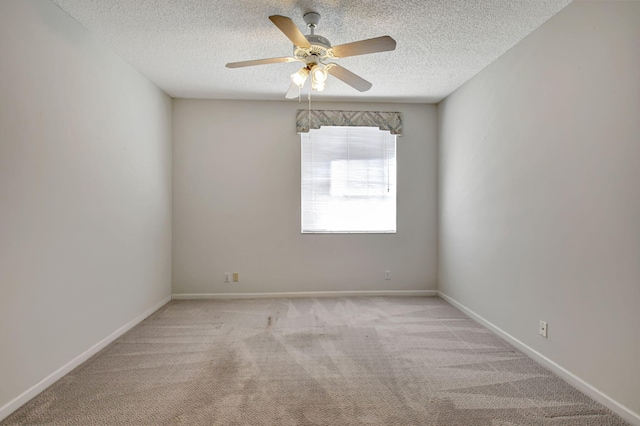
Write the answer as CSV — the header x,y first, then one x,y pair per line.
x,y
320,212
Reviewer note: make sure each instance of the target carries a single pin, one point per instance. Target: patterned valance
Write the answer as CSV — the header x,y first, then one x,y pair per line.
x,y
391,121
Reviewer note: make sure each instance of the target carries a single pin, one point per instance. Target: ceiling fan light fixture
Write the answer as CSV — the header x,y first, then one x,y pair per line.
x,y
318,74
318,87
300,77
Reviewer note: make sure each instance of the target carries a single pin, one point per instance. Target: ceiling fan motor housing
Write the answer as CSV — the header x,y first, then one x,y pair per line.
x,y
318,40
319,47
319,44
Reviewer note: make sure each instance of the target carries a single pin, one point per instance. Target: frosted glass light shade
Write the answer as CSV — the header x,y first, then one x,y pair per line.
x,y
300,77
318,74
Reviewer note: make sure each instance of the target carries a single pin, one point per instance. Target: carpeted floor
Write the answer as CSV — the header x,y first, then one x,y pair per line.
x,y
342,361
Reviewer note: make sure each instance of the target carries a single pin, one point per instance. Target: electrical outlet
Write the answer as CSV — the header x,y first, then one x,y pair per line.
x,y
543,328
236,277
227,277
387,274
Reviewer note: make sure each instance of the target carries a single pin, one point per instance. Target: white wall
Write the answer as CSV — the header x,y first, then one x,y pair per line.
x,y
85,193
540,194
236,167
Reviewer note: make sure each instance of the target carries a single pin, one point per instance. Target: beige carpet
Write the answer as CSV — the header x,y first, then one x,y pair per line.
x,y
343,361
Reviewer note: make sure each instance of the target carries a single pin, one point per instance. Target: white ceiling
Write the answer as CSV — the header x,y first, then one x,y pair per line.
x,y
183,45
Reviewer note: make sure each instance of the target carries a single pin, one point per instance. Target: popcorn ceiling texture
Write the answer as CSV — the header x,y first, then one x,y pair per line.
x,y
183,46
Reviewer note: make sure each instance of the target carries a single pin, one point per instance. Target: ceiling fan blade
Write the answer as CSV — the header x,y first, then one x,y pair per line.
x,y
350,78
293,92
362,47
290,29
260,62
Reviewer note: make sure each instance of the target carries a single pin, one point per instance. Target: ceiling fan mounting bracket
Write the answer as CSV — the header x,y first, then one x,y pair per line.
x,y
311,19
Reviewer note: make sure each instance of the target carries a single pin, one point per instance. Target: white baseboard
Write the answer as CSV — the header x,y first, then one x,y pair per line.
x,y
584,387
34,390
190,296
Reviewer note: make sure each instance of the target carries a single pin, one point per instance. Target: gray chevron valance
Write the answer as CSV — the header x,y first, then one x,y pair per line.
x,y
391,121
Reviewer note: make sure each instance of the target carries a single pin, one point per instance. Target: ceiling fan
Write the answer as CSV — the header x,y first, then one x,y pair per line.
x,y
315,52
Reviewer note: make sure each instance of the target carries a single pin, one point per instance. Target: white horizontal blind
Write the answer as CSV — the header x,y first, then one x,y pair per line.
x,y
348,180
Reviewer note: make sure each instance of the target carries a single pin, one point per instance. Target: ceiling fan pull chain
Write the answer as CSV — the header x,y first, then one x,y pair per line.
x,y
309,111
386,154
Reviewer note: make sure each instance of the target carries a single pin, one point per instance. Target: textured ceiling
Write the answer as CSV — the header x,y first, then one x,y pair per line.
x,y
183,45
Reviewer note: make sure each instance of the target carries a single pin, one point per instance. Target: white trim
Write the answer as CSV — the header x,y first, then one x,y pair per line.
x,y
34,390
190,296
584,387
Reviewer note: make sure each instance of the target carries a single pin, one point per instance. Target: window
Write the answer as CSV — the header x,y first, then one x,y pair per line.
x,y
348,180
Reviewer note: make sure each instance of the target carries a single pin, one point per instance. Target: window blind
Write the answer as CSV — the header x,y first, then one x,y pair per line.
x,y
348,180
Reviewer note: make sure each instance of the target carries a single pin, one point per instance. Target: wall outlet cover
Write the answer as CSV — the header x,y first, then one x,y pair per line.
x,y
543,328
